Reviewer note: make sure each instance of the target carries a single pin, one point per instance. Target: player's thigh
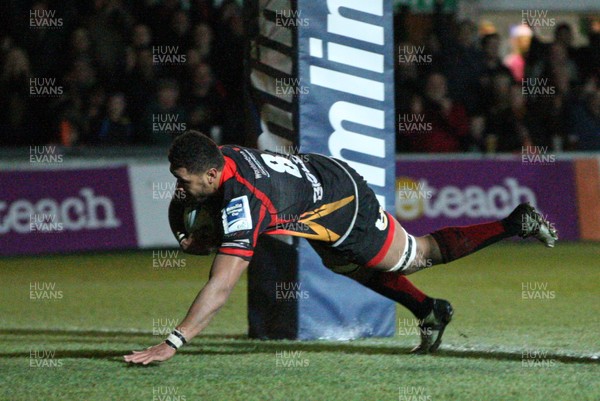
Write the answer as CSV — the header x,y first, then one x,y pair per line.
x,y
396,248
405,250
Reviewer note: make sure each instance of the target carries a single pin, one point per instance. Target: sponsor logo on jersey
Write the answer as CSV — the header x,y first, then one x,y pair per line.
x,y
255,165
316,184
236,215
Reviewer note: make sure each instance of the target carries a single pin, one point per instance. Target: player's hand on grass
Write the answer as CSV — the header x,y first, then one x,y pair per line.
x,y
160,353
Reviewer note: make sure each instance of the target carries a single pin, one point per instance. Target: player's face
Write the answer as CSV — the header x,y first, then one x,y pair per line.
x,y
196,185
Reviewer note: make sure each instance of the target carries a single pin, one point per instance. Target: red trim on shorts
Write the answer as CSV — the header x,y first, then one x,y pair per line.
x,y
386,245
236,252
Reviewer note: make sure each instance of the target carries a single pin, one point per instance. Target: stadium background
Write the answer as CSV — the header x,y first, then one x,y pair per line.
x,y
92,93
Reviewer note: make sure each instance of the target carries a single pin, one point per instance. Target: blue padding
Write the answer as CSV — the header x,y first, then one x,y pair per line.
x,y
336,307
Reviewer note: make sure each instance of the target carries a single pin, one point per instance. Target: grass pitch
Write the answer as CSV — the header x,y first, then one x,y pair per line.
x,y
525,328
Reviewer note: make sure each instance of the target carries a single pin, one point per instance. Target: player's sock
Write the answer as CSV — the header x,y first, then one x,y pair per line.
x,y
456,242
398,288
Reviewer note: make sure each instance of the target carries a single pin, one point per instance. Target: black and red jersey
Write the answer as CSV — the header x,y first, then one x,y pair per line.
x,y
306,195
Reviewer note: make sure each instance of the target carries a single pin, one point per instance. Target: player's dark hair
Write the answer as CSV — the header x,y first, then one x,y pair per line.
x,y
196,152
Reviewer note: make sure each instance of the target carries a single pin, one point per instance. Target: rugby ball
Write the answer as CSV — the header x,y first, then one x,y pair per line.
x,y
197,218
202,223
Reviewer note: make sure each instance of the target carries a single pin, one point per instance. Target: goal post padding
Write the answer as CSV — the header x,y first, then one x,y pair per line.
x,y
320,78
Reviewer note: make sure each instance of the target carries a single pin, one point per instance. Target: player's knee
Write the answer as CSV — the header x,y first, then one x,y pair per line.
x,y
408,256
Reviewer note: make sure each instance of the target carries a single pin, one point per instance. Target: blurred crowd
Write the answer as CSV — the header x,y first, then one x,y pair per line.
x,y
455,93
115,72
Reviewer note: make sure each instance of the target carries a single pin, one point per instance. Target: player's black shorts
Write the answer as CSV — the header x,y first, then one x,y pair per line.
x,y
368,229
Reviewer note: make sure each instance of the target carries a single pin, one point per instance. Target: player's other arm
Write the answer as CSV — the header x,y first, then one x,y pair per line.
x,y
187,242
225,273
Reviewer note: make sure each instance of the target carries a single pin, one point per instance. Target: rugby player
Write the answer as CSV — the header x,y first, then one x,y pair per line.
x,y
253,192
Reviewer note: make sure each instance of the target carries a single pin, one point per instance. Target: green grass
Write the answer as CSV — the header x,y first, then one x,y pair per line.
x,y
110,301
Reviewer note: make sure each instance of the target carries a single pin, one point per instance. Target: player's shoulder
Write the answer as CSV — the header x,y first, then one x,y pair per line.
x,y
249,161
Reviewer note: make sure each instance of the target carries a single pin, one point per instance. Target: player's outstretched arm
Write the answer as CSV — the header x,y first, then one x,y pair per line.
x,y
225,273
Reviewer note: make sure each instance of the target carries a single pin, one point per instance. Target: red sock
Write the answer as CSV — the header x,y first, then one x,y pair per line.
x,y
398,288
456,242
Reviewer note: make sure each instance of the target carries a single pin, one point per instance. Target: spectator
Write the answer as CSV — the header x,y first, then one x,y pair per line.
x,y
202,39
141,86
520,38
490,44
116,127
448,119
165,118
229,68
160,18
81,77
461,60
558,74
141,37
201,11
42,45
563,36
206,101
179,28
556,59
589,61
109,29
100,48
586,122
80,46
505,129
15,102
